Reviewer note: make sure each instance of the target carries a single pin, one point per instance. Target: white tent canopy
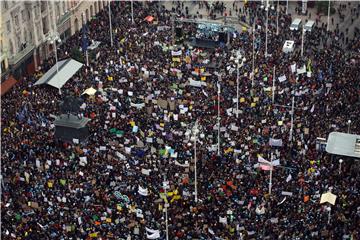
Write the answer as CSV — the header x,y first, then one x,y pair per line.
x,y
67,69
343,144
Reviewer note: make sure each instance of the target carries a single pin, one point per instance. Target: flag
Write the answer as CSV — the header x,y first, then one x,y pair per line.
x,y
309,65
288,179
85,40
312,108
152,234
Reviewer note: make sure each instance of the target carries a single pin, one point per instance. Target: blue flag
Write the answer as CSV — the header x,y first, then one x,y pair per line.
x,y
85,40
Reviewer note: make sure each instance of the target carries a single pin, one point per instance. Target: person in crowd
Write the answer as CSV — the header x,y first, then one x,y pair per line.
x,y
139,161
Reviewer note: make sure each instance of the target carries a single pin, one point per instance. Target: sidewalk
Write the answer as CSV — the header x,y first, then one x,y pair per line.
x,y
194,10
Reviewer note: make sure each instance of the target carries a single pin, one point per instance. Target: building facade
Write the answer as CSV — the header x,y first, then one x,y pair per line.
x,y
29,28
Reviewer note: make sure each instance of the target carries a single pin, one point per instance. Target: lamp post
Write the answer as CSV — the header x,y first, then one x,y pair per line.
x,y
266,28
83,29
271,169
253,57
218,117
287,6
292,117
53,38
237,83
302,41
195,131
110,25
349,123
277,18
329,213
340,162
166,205
273,86
132,11
328,18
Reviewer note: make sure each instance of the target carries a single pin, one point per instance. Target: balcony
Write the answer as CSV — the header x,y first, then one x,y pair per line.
x,y
63,18
20,55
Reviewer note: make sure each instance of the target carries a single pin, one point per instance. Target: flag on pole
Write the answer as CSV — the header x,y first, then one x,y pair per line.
x,y
85,40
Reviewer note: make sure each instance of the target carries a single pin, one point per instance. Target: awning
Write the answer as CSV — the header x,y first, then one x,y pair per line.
x,y
67,69
7,84
343,144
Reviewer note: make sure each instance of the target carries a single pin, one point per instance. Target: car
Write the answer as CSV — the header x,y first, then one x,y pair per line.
x,y
309,25
295,25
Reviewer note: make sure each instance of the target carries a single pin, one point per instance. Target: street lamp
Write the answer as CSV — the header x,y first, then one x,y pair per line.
x,y
277,18
237,81
292,116
218,117
132,11
266,29
166,205
195,131
302,42
253,57
110,25
328,18
271,170
83,30
329,213
340,162
349,123
52,39
273,86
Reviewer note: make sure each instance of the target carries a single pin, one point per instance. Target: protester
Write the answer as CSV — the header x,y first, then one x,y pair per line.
x,y
149,95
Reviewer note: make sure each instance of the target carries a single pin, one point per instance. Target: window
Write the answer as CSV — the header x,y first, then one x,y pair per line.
x,y
11,47
36,12
18,42
57,11
38,31
8,26
23,16
16,19
6,5
43,6
3,66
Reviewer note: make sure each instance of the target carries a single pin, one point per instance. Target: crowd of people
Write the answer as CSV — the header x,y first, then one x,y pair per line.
x,y
134,177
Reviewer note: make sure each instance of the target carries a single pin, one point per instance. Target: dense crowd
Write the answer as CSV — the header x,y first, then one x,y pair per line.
x,y
150,93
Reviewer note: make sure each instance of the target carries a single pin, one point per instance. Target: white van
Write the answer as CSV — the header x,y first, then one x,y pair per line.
x,y
309,25
295,25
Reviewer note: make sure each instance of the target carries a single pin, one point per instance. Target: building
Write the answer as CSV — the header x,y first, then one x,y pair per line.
x,y
29,29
